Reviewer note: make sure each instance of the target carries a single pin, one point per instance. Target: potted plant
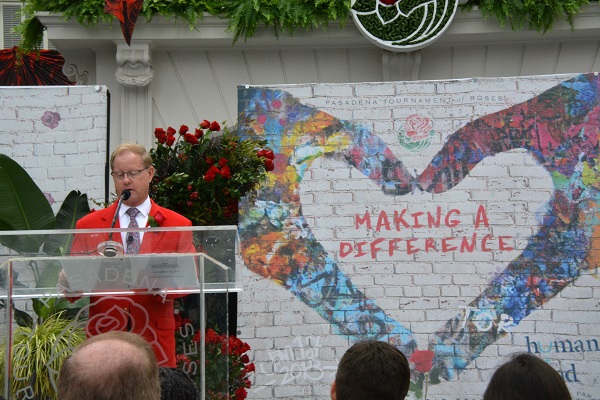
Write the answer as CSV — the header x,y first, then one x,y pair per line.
x,y
38,345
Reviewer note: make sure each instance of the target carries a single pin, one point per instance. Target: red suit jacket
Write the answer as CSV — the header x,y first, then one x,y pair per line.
x,y
147,315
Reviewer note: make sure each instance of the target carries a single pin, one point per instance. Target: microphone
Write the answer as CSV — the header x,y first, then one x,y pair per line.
x,y
110,248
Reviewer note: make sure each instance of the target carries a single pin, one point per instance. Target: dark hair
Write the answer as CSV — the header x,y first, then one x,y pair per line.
x,y
526,377
112,365
372,370
177,385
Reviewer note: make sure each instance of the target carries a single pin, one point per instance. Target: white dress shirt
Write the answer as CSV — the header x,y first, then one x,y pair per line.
x,y
142,217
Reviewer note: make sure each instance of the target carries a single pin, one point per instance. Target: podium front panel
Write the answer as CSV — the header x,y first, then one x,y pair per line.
x,y
59,287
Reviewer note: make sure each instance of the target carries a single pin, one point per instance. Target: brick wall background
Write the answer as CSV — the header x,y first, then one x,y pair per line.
x,y
58,134
300,316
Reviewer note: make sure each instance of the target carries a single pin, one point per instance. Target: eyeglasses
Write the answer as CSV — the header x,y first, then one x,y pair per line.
x,y
131,174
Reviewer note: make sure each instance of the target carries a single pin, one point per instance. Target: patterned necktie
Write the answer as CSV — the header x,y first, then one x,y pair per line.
x,y
133,238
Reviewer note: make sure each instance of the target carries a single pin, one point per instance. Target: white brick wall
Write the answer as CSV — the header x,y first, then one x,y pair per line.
x,y
423,290
67,155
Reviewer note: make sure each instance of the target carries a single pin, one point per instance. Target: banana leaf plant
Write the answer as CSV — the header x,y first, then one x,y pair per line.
x,y
23,206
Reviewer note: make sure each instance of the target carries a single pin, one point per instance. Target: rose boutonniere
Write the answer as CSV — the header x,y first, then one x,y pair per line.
x,y
156,221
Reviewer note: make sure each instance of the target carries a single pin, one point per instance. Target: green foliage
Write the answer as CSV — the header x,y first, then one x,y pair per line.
x,y
283,15
24,207
39,346
245,16
87,13
536,14
38,353
74,207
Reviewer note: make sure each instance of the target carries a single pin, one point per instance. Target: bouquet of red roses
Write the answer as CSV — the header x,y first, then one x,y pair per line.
x,y
227,365
203,175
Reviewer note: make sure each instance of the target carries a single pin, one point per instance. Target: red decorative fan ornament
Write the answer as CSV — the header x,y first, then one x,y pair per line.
x,y
32,69
126,12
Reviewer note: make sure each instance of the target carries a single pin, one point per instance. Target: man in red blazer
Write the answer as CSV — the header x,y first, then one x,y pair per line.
x,y
150,316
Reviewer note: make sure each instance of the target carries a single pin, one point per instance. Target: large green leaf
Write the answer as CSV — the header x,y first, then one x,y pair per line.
x,y
23,206
22,318
73,208
49,307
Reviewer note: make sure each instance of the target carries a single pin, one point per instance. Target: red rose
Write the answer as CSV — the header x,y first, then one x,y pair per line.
x,y
423,360
269,165
182,359
250,367
222,162
194,195
170,140
240,393
205,124
214,126
178,321
198,133
159,218
225,172
211,173
265,153
211,337
191,138
190,187
245,347
159,131
209,160
183,129
161,137
170,131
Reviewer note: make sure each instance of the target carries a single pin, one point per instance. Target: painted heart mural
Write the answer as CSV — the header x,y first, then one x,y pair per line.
x,y
557,128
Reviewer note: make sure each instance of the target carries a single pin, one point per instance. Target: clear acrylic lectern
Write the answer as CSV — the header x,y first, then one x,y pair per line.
x,y
58,287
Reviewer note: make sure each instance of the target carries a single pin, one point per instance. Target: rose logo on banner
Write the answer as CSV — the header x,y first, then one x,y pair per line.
x,y
415,133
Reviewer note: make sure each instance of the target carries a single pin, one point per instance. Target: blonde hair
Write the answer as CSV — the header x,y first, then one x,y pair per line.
x,y
134,148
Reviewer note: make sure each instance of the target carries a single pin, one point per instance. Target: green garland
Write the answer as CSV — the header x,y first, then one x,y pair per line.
x,y
538,14
283,15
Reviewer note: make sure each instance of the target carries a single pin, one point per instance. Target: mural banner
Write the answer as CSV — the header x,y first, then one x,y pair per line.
x,y
456,219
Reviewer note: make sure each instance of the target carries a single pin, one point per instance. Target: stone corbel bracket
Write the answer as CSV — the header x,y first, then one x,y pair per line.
x,y
134,67
72,72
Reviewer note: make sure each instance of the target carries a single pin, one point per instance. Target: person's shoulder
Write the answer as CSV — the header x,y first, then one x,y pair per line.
x,y
172,218
94,216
